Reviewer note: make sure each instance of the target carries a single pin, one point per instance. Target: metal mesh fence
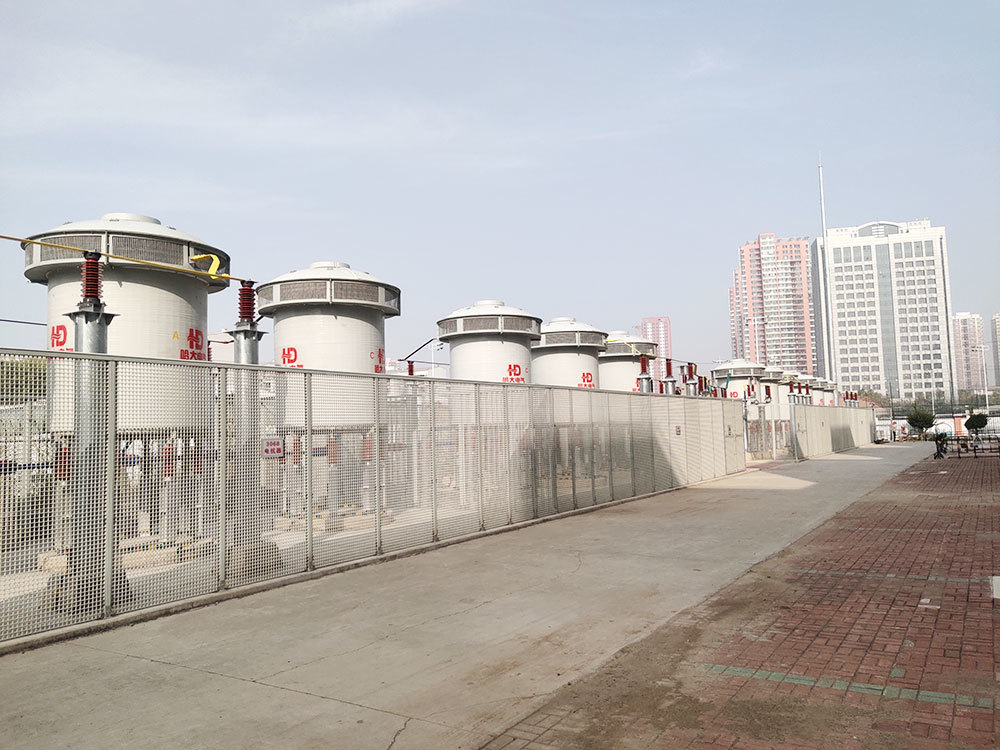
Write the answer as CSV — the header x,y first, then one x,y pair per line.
x,y
818,430
127,484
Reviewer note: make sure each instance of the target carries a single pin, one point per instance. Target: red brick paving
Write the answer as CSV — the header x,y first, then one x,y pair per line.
x,y
889,597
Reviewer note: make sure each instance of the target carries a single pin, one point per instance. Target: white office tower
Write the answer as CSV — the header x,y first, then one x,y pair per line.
x,y
882,300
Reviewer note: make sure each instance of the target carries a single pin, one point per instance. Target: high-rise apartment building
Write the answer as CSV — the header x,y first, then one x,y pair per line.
x,y
657,330
770,307
970,352
995,330
882,298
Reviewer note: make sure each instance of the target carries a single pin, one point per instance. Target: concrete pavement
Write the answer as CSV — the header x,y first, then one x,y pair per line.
x,y
441,650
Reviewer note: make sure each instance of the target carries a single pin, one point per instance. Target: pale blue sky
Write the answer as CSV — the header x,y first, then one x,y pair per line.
x,y
596,159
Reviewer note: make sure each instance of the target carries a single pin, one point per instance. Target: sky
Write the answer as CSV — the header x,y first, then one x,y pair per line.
x,y
602,160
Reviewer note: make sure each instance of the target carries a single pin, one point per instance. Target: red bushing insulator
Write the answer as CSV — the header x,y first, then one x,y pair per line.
x,y
63,458
169,460
91,276
247,301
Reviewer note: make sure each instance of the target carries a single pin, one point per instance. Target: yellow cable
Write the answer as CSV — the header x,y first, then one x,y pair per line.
x,y
153,264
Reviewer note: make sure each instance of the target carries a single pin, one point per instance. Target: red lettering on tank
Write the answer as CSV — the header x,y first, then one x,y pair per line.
x,y
58,336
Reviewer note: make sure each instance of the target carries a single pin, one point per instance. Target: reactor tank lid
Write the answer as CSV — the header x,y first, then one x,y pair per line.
x,y
127,235
489,316
739,368
569,332
328,282
625,344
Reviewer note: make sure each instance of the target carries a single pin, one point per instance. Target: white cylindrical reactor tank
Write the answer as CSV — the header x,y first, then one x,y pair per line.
x,y
739,379
490,341
160,312
330,317
566,354
620,362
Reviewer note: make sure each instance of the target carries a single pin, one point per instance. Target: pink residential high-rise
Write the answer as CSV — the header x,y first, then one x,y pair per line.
x,y
970,351
770,305
657,330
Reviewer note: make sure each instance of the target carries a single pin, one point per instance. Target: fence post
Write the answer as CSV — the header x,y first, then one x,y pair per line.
x,y
795,432
533,453
479,457
434,478
774,433
110,468
652,444
553,458
611,449
377,462
631,441
593,448
309,470
507,451
571,449
222,447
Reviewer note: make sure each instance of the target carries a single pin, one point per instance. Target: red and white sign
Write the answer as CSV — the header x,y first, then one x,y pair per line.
x,y
380,363
195,345
290,356
58,337
513,374
273,447
586,380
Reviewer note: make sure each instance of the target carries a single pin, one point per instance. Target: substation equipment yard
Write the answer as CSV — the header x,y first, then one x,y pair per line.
x,y
137,472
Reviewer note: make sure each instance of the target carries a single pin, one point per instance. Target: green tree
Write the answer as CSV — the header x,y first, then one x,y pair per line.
x,y
920,420
976,422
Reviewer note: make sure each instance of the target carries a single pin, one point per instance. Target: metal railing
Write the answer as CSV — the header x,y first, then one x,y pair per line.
x,y
128,483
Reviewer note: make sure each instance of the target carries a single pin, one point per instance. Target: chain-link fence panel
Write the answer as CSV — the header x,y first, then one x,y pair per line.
x,y
622,470
697,446
345,467
546,450
457,458
663,465
582,443
718,438
677,437
642,441
565,449
40,586
405,460
167,479
602,446
493,456
520,451
820,430
734,436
